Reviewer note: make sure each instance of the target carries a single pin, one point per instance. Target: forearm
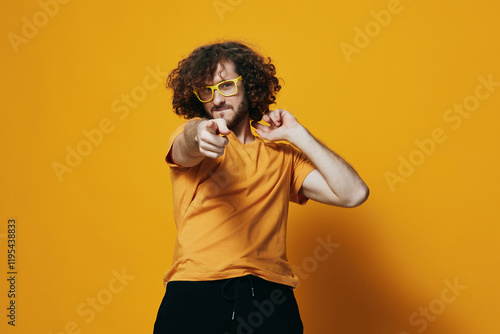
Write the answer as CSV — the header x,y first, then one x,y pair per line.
x,y
185,150
334,181
200,139
345,184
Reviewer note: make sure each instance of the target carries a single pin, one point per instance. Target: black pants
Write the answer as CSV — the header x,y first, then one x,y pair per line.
x,y
242,305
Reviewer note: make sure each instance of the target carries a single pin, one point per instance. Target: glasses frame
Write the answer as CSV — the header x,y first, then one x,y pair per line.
x,y
216,87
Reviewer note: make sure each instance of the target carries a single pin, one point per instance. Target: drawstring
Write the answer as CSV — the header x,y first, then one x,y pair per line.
x,y
234,297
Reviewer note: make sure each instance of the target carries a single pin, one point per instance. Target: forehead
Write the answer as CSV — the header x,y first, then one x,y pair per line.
x,y
224,71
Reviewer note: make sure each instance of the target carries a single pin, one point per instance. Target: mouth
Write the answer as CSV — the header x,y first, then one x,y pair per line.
x,y
218,113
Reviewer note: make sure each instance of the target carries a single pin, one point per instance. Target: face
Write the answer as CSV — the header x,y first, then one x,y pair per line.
x,y
234,109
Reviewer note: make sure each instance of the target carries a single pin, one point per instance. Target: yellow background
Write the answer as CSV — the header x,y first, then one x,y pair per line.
x,y
113,214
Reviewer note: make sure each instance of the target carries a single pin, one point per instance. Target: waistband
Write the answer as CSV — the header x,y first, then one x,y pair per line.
x,y
236,281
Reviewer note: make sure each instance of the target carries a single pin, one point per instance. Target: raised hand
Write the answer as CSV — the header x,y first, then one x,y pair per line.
x,y
211,137
282,126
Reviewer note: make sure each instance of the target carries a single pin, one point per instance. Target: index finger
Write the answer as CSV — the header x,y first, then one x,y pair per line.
x,y
222,126
275,117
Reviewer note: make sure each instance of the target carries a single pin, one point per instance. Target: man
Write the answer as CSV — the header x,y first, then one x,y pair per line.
x,y
231,191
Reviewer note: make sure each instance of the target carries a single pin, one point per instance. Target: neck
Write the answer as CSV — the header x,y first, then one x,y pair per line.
x,y
243,132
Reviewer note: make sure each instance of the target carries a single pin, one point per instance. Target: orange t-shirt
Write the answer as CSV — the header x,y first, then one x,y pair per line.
x,y
231,212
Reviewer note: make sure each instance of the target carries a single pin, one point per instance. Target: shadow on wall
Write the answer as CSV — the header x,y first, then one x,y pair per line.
x,y
354,290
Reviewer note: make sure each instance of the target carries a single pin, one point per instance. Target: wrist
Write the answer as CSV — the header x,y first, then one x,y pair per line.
x,y
298,135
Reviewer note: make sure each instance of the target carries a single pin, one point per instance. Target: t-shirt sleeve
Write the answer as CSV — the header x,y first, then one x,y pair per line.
x,y
302,166
168,157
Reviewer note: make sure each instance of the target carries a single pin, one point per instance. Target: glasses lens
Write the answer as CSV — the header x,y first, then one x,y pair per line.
x,y
205,93
227,88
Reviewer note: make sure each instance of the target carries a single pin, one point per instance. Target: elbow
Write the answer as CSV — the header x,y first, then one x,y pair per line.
x,y
358,197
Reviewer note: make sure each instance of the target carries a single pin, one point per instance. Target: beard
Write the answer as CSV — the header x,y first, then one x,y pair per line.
x,y
239,113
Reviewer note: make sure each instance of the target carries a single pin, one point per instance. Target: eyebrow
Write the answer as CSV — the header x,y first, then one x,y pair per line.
x,y
220,81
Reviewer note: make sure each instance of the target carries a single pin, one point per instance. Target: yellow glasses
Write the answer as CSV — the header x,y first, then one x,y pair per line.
x,y
225,88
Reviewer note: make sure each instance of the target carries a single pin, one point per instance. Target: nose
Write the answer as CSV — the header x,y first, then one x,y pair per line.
x,y
219,99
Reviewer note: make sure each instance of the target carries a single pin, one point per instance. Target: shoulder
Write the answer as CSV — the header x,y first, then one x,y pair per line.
x,y
280,146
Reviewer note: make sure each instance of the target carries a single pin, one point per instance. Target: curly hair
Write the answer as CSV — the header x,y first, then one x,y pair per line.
x,y
259,78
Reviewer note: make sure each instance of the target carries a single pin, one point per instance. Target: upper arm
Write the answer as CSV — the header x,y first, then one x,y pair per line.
x,y
316,188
